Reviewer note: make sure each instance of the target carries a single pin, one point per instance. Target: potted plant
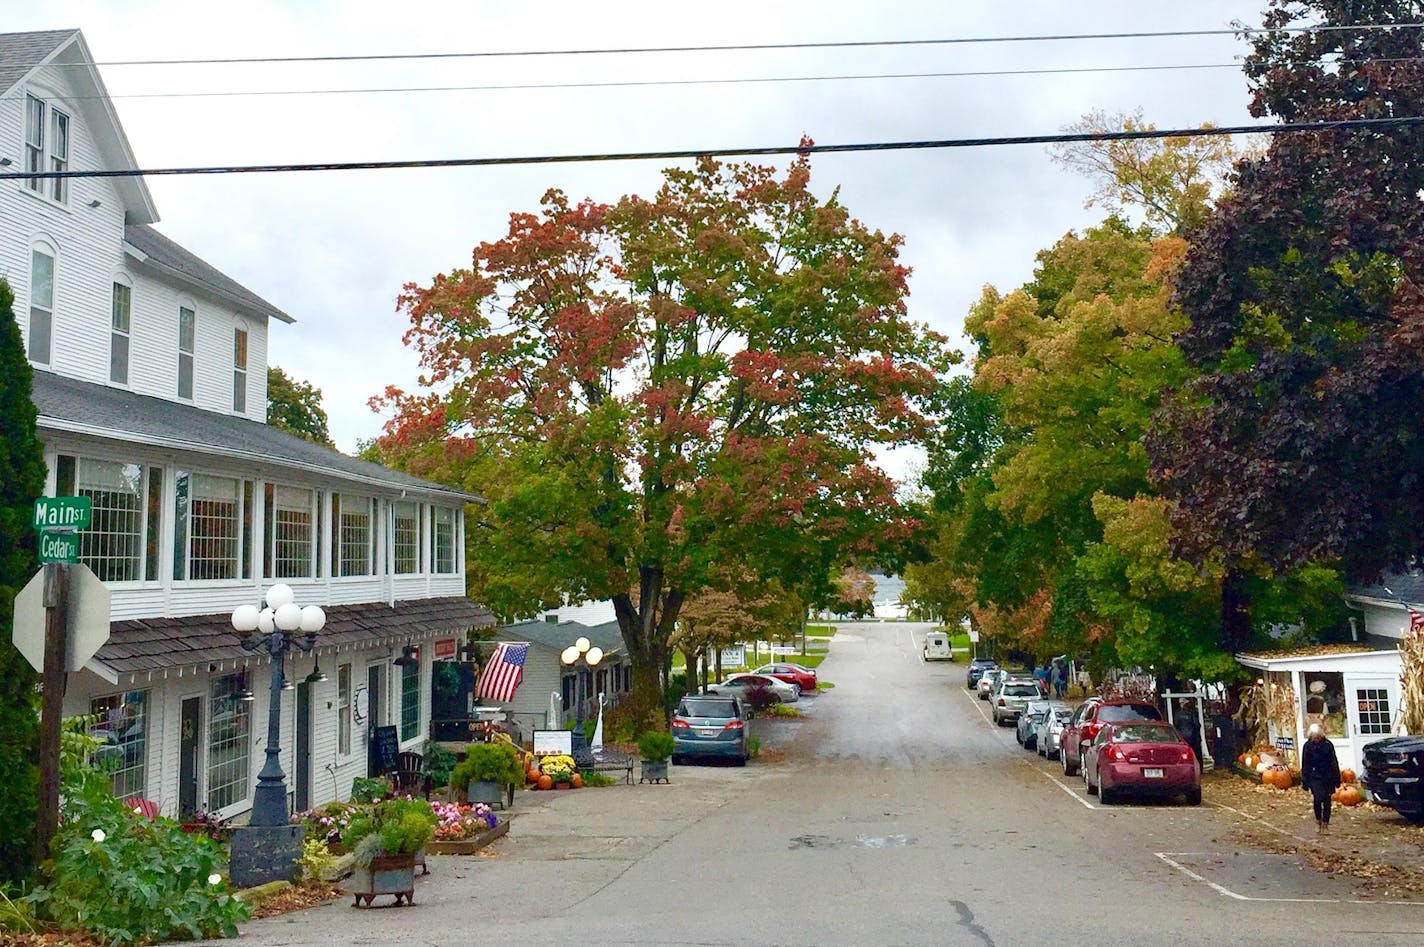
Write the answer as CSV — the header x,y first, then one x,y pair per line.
x,y
561,773
655,748
486,772
384,842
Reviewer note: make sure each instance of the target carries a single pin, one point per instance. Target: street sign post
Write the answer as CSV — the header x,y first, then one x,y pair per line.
x,y
63,512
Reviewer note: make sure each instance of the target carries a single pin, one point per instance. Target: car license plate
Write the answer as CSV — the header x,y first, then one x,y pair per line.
x,y
1152,773
706,731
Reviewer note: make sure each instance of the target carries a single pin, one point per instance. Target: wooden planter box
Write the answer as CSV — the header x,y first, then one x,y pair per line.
x,y
387,874
653,771
468,846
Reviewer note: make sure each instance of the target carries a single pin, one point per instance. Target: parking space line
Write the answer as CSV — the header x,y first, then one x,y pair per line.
x,y
1247,815
1227,892
1065,787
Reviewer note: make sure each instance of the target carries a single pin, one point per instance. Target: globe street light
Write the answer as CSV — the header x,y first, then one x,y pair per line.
x,y
262,850
581,652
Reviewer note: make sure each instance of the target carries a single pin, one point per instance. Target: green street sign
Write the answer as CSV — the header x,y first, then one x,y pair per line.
x,y
59,547
63,513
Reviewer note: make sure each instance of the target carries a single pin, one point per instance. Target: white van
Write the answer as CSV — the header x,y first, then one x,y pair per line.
x,y
937,647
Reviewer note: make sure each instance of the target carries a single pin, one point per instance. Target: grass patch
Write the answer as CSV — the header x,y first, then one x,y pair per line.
x,y
785,710
823,686
820,631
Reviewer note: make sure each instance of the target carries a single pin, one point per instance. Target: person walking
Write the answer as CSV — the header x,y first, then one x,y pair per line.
x,y
1060,680
1320,773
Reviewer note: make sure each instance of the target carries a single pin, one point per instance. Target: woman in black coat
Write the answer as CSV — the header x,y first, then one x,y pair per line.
x,y
1320,773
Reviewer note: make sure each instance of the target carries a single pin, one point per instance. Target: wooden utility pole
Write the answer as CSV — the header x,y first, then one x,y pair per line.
x,y
56,602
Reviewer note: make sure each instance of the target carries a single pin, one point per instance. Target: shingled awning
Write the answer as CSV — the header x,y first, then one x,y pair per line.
x,y
158,644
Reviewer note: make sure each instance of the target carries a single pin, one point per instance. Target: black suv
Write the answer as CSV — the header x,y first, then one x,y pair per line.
x,y
977,667
1394,774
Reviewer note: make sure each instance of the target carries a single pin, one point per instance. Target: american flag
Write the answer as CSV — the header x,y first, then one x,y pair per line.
x,y
1416,621
503,672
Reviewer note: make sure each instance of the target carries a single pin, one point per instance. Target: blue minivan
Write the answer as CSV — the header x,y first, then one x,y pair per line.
x,y
709,725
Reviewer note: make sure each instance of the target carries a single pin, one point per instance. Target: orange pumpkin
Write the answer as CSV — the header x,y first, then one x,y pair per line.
x,y
1351,796
577,781
1249,762
546,782
1241,758
1347,776
1278,777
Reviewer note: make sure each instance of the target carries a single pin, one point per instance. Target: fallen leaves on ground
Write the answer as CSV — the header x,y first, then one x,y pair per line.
x,y
50,939
772,756
296,898
1369,843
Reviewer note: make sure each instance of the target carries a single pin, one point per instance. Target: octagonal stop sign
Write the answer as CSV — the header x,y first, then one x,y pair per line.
x,y
88,626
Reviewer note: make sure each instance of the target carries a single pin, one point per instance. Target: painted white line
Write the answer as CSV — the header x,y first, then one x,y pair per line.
x,y
1273,828
1063,786
1165,856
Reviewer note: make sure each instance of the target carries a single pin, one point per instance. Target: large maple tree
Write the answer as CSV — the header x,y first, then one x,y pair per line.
x,y
650,390
1300,439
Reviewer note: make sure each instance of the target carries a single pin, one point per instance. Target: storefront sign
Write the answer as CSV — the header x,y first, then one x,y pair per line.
x,y
360,705
553,743
445,649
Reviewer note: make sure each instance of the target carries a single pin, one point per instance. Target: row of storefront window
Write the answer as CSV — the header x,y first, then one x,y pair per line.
x,y
213,527
122,725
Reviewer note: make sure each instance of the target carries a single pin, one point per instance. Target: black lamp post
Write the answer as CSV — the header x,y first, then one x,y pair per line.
x,y
581,652
266,849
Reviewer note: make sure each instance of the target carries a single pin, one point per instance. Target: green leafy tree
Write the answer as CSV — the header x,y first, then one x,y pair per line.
x,y
22,476
295,407
1299,442
647,390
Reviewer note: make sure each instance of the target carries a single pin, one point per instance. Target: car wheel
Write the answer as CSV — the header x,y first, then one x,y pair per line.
x,y
1107,795
741,761
1194,796
679,760
1088,782
1069,769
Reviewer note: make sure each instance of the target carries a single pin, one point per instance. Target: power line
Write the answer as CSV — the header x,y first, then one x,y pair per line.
x,y
769,150
638,83
1241,29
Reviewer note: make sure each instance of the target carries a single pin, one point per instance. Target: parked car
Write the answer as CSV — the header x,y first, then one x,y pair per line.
x,y
738,685
987,681
1142,758
1090,718
977,668
1031,721
1394,774
1011,697
709,726
1050,732
802,677
937,647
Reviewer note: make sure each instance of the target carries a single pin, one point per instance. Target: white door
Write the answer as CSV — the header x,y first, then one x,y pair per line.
x,y
1373,706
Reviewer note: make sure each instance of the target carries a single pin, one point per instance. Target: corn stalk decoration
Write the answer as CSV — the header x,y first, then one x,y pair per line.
x,y
1411,676
1267,702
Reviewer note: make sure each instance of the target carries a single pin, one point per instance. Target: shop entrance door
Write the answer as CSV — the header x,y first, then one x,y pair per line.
x,y
1373,706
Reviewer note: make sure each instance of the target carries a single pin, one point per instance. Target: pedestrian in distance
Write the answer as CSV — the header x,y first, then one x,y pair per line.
x,y
1041,675
1060,681
1320,773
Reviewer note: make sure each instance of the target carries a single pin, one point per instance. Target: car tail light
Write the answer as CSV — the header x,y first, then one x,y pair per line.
x,y
1116,753
734,725
1001,702
681,725
1186,756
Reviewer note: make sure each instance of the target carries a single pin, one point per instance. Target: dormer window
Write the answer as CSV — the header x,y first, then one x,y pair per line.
x,y
46,147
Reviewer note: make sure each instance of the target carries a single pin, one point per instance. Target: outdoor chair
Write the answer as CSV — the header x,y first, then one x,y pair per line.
x,y
409,776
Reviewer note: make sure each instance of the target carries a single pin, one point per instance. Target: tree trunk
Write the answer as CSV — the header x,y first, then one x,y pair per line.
x,y
689,682
719,665
1235,613
647,630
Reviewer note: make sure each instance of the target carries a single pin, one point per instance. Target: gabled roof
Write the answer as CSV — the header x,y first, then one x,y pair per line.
x,y
157,251
82,407
23,53
558,635
153,644
1397,588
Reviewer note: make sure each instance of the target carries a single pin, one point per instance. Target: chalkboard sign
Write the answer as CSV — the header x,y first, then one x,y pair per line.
x,y
387,747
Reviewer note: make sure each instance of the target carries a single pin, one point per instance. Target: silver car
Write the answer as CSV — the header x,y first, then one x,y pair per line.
x,y
1050,732
990,682
1032,719
1011,697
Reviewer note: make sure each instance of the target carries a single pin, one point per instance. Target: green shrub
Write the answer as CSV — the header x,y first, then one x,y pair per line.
x,y
754,746
392,827
365,790
124,878
438,763
591,778
317,862
492,762
655,745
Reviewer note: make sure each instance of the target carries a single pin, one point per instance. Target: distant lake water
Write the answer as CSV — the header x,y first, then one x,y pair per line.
x,y
888,589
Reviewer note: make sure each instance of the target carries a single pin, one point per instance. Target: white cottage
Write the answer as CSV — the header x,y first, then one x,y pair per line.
x,y
574,689
150,380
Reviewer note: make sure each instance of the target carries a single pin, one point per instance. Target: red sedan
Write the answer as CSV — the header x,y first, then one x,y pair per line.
x,y
1141,757
802,677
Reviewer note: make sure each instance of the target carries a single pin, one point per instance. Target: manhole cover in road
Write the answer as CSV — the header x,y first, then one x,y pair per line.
x,y
1266,876
860,841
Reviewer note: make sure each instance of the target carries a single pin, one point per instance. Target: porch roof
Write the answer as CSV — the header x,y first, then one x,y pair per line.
x,y
158,644
1323,658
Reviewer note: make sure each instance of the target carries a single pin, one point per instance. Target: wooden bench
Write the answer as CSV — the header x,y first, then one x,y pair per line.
x,y
606,761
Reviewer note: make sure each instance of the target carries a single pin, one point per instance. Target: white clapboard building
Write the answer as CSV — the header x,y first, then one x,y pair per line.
x,y
150,380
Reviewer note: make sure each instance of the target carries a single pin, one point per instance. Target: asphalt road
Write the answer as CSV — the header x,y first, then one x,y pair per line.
x,y
899,815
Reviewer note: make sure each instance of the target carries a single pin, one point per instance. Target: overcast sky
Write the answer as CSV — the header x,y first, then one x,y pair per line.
x,y
334,248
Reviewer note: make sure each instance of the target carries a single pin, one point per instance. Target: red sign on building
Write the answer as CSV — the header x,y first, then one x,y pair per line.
x,y
445,649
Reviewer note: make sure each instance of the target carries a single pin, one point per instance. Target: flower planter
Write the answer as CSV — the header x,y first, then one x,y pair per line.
x,y
468,846
486,791
653,771
563,785
387,874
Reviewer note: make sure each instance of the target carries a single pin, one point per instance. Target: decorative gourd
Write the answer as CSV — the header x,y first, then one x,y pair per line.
x,y
577,781
1350,796
1347,776
546,782
1262,767
1249,761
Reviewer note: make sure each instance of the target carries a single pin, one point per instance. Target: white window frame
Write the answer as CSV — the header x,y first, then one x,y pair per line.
x,y
436,513
239,370
98,544
123,773
42,310
342,506
187,358
48,137
243,785
272,537
397,544
184,539
343,710
121,333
